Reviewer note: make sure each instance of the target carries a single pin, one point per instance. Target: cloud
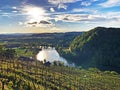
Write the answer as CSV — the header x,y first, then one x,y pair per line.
x,y
62,6
41,24
32,23
44,22
52,9
5,14
20,23
33,11
62,3
71,17
14,11
110,3
84,10
14,7
36,16
86,18
9,10
86,3
94,0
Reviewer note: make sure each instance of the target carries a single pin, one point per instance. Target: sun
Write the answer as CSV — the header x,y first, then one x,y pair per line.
x,y
35,13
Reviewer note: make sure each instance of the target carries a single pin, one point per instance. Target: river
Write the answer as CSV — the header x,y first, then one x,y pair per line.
x,y
50,54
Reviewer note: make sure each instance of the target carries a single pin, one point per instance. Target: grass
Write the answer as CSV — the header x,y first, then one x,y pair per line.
x,y
24,52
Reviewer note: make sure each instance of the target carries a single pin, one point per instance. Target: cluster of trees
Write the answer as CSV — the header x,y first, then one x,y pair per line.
x,y
7,53
99,47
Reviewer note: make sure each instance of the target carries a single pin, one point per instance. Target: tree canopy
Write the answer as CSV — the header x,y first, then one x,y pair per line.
x,y
99,47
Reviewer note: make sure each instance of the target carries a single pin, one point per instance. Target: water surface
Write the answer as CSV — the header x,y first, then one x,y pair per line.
x,y
50,54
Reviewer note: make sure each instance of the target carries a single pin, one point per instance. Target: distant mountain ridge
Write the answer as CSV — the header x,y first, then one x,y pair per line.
x,y
39,34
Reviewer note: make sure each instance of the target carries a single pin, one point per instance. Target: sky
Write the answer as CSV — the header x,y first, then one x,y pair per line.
x,y
40,16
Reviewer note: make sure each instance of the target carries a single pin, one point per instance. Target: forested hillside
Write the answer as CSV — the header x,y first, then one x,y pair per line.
x,y
99,47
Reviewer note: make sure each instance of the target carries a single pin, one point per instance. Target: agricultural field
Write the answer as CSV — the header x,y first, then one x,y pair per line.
x,y
34,75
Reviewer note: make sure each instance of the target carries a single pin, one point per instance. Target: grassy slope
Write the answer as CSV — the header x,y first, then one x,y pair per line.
x,y
18,76
23,52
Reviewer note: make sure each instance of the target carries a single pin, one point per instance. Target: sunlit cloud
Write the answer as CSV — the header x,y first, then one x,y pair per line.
x,y
34,12
87,18
36,17
20,23
52,9
14,7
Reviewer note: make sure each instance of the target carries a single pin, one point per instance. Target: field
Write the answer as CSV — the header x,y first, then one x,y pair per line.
x,y
31,75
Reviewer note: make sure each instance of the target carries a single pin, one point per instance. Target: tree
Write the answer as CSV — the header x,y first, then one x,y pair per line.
x,y
10,53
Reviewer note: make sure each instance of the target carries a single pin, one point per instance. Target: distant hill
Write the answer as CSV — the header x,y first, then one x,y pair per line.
x,y
54,39
99,47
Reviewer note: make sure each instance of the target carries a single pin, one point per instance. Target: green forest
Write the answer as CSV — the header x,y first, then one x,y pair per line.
x,y
96,54
98,48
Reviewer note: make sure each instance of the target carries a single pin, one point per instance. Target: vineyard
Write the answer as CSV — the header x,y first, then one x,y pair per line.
x,y
35,75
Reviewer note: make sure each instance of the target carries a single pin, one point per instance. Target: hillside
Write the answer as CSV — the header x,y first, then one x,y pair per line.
x,y
22,75
99,47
